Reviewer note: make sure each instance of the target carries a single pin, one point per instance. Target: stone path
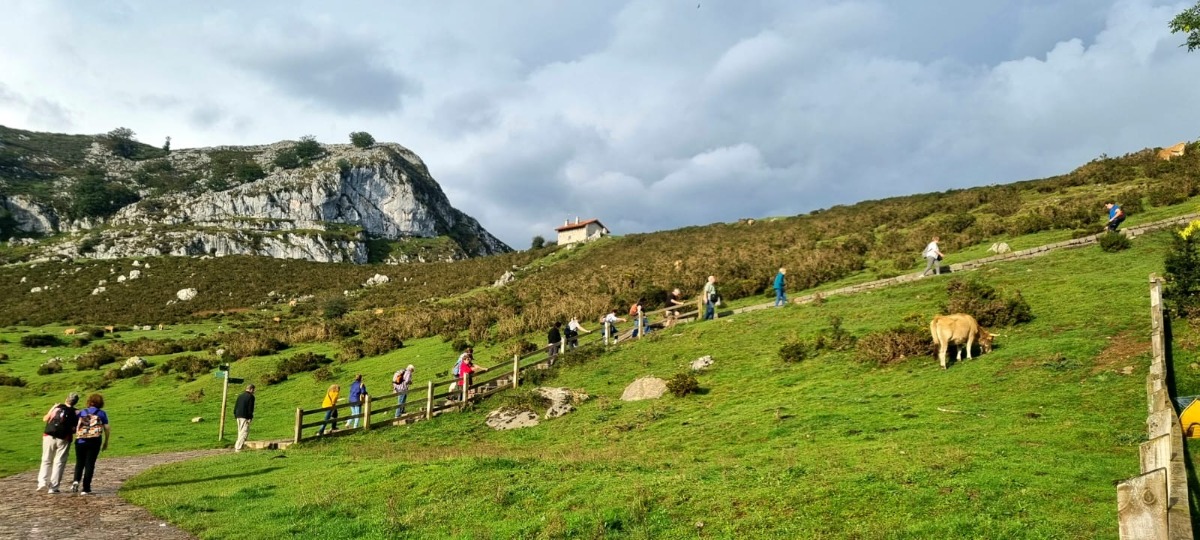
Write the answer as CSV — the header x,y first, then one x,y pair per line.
x,y
103,515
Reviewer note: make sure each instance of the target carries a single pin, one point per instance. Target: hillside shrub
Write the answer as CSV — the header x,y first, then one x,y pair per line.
x,y
989,307
344,166
287,159
380,343
352,350
252,344
123,373
3,357
96,195
80,342
121,141
1168,193
324,374
682,384
40,340
296,364
308,149
1182,272
95,358
1113,242
362,139
145,347
520,347
459,345
10,380
895,344
834,338
51,367
794,352
189,365
335,307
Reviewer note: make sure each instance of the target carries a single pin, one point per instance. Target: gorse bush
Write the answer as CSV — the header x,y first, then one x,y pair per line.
x,y
241,345
40,340
1113,242
189,365
51,367
296,364
682,384
95,358
1182,272
362,139
794,351
10,380
989,307
834,338
895,344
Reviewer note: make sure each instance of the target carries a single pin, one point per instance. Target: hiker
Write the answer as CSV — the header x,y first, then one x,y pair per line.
x,y
711,298
780,294
91,436
1115,216
572,332
674,298
554,341
933,257
358,391
243,410
466,368
331,399
466,356
61,421
610,323
638,312
400,383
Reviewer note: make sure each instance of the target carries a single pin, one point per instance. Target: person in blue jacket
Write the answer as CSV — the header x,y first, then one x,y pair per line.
x,y
1115,216
780,294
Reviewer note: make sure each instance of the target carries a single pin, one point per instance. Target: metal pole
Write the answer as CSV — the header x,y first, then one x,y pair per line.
x,y
224,402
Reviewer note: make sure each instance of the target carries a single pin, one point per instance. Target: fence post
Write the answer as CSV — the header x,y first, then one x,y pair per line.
x,y
366,413
429,400
516,370
641,323
466,383
1142,506
606,332
299,422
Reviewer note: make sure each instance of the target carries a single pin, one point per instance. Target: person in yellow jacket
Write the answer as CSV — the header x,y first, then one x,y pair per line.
x,y
331,399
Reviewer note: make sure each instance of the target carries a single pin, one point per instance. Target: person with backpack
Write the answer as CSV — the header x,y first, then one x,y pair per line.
x,y
933,257
711,298
61,421
554,341
780,293
466,367
571,333
91,436
358,392
331,399
637,312
400,383
1115,216
243,411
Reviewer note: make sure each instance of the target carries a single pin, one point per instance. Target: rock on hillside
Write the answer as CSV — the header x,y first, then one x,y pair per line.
x,y
232,201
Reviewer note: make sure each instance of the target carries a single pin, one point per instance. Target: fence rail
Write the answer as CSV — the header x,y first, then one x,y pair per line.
x,y
1155,504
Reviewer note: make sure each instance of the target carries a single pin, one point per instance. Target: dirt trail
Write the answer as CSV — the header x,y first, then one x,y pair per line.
x,y
103,515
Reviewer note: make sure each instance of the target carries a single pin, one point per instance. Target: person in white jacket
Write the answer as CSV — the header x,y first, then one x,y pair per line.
x,y
933,258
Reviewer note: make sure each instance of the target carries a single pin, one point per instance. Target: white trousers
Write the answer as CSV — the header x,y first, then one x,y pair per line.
x,y
243,432
54,461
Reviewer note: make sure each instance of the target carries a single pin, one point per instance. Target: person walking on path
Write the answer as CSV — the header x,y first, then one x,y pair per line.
x,y
400,383
1115,217
331,399
243,410
554,341
91,436
710,298
358,391
780,294
933,257
674,299
61,421
610,322
571,333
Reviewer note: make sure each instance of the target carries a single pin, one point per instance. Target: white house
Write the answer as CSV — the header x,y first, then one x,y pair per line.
x,y
580,231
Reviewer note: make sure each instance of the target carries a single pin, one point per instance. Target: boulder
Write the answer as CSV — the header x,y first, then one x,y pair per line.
x,y
98,290
505,279
186,294
558,410
220,352
562,400
644,388
999,247
35,290
502,419
134,362
134,274
197,419
377,279
120,279
702,363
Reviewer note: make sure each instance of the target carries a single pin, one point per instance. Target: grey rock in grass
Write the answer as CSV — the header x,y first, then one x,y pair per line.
x,y
644,388
197,419
702,363
502,419
377,279
186,294
999,247
134,362
562,400
560,409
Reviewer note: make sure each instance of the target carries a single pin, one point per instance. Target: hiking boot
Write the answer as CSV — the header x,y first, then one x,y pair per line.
x,y
74,487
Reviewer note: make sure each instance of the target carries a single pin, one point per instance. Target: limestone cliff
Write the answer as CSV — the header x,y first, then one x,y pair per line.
x,y
336,205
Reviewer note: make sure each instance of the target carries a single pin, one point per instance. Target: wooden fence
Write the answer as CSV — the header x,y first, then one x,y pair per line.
x,y
1155,504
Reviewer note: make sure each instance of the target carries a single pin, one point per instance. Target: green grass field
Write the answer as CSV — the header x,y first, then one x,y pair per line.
x,y
1026,442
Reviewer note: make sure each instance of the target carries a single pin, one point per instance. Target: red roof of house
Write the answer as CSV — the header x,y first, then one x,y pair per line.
x,y
579,225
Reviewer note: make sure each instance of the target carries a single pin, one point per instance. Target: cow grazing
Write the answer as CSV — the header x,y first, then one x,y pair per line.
x,y
960,329
110,329
70,331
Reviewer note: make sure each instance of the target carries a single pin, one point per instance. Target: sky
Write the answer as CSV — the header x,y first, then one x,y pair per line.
x,y
646,114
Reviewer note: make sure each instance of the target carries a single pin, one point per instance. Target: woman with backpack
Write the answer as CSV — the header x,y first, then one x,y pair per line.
x,y
91,436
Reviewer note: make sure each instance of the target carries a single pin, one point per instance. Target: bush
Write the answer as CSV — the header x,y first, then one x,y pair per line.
x,y
123,373
189,365
988,306
3,357
459,345
1113,242
40,340
362,139
794,351
308,149
9,380
323,374
344,166
835,338
296,364
50,368
256,344
520,347
682,384
895,344
287,159
1168,193
121,142
1182,269
335,307
94,359
80,342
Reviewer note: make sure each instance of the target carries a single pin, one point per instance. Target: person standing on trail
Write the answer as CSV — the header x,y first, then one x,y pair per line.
x,y
331,399
91,436
674,299
554,341
933,257
466,368
243,410
400,383
780,295
61,421
571,333
711,298
1115,217
358,391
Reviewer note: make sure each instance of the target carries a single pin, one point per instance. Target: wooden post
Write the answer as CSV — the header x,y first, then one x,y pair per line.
x,y
466,383
224,405
366,413
641,323
1142,506
516,370
606,332
299,422
429,400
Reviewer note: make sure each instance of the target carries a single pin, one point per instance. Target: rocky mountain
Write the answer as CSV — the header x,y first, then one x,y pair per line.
x,y
89,196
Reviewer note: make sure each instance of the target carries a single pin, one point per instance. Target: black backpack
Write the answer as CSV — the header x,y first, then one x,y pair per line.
x,y
62,422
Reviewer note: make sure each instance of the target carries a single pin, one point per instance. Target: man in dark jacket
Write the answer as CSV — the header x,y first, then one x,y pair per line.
x,y
60,420
243,410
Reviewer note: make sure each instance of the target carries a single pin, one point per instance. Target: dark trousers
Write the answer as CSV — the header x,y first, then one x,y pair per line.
x,y
86,452
1112,225
330,421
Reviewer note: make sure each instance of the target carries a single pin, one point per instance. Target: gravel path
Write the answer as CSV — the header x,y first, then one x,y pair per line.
x,y
103,515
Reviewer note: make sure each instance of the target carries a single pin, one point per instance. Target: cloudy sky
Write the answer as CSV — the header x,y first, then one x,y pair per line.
x,y
648,114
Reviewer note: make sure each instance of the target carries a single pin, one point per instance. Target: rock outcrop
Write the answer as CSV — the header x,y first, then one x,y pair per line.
x,y
702,363
503,419
562,400
644,388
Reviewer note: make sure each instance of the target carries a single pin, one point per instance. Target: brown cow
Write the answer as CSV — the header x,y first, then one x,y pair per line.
x,y
958,329
70,331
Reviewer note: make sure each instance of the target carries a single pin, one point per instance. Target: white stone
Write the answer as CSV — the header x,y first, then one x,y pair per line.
x,y
702,363
503,419
137,263
197,419
22,280
185,294
505,279
102,282
134,274
134,361
36,290
120,279
999,247
377,279
644,388
98,290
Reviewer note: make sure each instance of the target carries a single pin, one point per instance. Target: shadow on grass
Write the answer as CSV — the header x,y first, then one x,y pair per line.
x,y
202,480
